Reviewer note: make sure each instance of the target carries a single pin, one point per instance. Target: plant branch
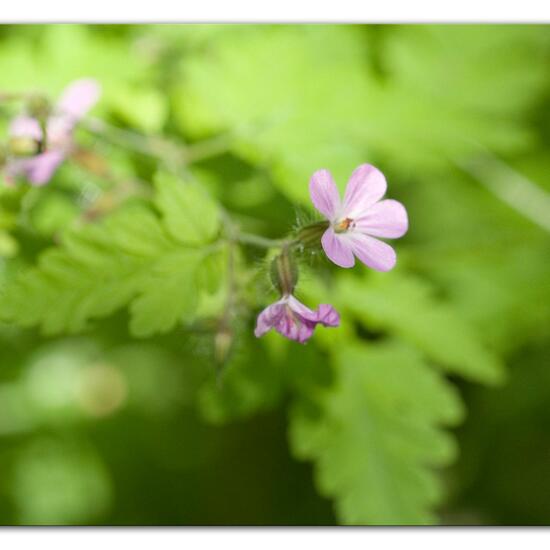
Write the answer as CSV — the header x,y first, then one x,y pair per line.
x,y
172,152
256,240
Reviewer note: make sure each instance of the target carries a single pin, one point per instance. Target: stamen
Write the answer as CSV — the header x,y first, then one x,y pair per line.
x,y
343,226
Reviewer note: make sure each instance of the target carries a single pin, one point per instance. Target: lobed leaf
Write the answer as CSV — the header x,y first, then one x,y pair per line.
x,y
190,215
407,307
376,436
131,258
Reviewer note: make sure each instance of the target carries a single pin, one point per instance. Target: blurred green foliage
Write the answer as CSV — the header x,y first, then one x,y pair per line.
x,y
129,395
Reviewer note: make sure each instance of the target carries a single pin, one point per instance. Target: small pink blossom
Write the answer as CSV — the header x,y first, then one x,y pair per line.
x,y
294,320
361,217
77,99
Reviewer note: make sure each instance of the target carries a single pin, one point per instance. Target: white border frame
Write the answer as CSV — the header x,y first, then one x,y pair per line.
x,y
280,11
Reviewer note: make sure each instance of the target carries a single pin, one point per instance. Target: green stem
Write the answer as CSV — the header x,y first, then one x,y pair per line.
x,y
208,148
173,153
256,240
308,236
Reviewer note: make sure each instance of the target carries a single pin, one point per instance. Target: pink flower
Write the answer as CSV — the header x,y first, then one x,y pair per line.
x,y
294,320
77,99
362,216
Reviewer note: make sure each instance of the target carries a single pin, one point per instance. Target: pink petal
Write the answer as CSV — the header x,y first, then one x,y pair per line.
x,y
328,316
305,332
78,98
372,252
337,249
25,127
294,320
324,193
37,170
299,331
301,309
366,186
60,131
297,321
268,318
384,219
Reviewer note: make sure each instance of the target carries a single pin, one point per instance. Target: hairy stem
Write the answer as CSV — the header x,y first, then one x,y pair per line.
x,y
256,240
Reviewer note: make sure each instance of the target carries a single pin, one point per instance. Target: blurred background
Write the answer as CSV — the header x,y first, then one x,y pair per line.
x,y
429,404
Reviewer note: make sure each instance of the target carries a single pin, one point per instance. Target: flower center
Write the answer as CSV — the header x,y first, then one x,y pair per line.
x,y
343,225
292,317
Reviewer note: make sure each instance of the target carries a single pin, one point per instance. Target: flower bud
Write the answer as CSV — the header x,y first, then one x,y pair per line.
x,y
310,235
284,272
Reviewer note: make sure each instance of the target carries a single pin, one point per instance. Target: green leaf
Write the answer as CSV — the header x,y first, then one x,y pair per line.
x,y
288,115
212,270
145,109
324,103
376,435
438,101
9,246
127,259
490,266
49,60
190,214
52,213
407,307
169,292
90,276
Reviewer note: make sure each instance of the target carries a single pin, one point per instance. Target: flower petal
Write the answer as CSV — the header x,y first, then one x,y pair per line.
x,y
324,193
290,328
293,320
78,98
366,186
325,313
328,316
268,318
25,127
302,310
384,219
37,170
372,252
337,248
60,131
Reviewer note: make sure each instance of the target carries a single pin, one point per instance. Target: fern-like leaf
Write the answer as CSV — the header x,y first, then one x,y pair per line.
x,y
376,437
